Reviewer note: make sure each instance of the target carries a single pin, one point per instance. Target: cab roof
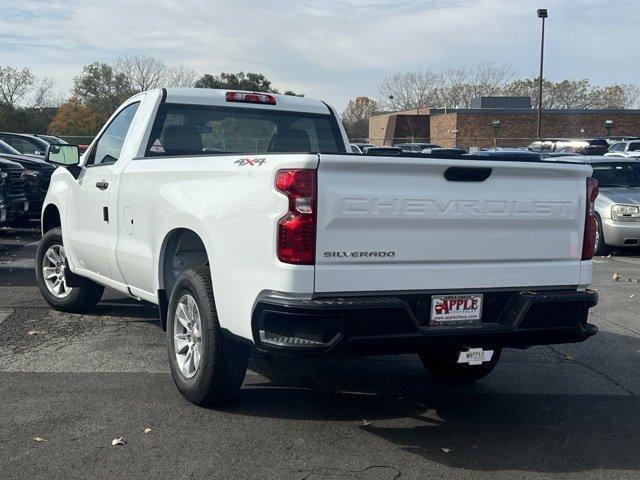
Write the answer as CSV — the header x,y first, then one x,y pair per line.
x,y
209,96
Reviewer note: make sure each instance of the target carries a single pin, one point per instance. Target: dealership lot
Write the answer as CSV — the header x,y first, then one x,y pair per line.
x,y
79,381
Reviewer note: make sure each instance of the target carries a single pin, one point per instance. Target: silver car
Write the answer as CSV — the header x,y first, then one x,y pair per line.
x,y
618,203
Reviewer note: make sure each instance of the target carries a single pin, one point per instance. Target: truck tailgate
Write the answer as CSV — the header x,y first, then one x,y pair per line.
x,y
397,224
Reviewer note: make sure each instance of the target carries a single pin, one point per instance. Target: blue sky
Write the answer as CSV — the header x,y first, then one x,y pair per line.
x,y
333,50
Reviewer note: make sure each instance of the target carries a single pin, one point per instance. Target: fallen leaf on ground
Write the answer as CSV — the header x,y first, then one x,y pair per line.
x,y
569,358
147,430
118,441
366,423
39,439
632,296
446,450
616,276
33,332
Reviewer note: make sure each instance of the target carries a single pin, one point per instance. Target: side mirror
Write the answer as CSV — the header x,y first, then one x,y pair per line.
x,y
63,155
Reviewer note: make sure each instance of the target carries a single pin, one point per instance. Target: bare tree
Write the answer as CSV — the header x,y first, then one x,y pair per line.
x,y
144,72
180,76
452,88
141,71
43,96
405,91
15,85
631,95
576,94
21,88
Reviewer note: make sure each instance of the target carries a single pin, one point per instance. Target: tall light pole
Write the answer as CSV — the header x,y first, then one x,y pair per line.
x,y
542,13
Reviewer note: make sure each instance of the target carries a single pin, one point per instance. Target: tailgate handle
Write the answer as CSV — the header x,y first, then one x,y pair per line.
x,y
467,174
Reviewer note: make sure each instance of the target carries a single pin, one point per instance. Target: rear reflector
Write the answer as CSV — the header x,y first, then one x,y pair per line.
x,y
297,228
590,225
242,97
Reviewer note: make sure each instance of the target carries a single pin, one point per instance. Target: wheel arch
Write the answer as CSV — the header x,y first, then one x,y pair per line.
x,y
50,218
181,248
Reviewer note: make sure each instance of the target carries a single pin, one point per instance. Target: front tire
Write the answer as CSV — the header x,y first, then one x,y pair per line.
x,y
207,367
51,268
444,367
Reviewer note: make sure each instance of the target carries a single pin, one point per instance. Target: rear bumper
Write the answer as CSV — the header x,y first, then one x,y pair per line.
x,y
400,323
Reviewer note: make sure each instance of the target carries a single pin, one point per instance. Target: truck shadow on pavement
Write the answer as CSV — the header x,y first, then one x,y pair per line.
x,y
486,432
475,427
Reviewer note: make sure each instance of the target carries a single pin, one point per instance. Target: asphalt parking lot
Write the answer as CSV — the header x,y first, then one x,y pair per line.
x,y
76,382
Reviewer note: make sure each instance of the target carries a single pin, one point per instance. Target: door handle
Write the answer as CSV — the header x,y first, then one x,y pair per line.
x,y
467,174
102,185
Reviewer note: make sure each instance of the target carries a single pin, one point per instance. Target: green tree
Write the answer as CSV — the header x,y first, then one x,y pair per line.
x,y
101,89
254,82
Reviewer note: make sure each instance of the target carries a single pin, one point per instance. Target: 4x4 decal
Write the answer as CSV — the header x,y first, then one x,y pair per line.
x,y
250,161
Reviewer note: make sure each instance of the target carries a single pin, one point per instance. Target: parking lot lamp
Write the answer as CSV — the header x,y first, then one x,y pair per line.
x,y
542,13
608,125
496,130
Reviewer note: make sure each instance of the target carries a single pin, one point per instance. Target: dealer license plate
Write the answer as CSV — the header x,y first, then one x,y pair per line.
x,y
454,310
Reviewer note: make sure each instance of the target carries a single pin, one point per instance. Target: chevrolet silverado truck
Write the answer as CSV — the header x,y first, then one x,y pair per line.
x,y
246,218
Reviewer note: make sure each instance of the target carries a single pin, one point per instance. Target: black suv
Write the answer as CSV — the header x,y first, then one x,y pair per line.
x,y
25,144
37,177
12,191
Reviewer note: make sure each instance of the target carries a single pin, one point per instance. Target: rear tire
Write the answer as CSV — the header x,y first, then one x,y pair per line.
x,y
600,248
444,367
51,261
208,367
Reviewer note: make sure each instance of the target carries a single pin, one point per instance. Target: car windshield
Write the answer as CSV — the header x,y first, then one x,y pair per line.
x,y
619,174
201,130
8,149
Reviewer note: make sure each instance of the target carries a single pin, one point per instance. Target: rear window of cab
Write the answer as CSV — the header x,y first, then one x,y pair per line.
x,y
181,130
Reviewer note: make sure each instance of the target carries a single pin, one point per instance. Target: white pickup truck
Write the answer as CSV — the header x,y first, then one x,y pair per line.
x,y
246,218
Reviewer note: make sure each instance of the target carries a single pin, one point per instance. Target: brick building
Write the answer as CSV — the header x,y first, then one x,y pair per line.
x,y
487,127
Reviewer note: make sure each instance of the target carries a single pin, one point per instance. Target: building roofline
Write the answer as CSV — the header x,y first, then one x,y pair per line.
x,y
493,111
562,111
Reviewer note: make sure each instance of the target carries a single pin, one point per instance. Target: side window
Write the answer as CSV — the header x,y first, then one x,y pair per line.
x,y
634,146
107,149
23,145
617,147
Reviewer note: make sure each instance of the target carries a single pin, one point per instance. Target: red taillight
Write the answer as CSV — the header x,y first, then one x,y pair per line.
x,y
242,97
297,229
590,225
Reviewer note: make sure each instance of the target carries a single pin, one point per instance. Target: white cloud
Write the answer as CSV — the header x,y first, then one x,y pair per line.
x,y
334,50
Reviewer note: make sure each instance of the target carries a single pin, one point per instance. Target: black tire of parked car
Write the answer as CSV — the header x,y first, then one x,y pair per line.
x,y
444,367
600,248
80,299
224,359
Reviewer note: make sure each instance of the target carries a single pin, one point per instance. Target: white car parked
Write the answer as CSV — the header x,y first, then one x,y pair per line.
x,y
248,221
628,148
